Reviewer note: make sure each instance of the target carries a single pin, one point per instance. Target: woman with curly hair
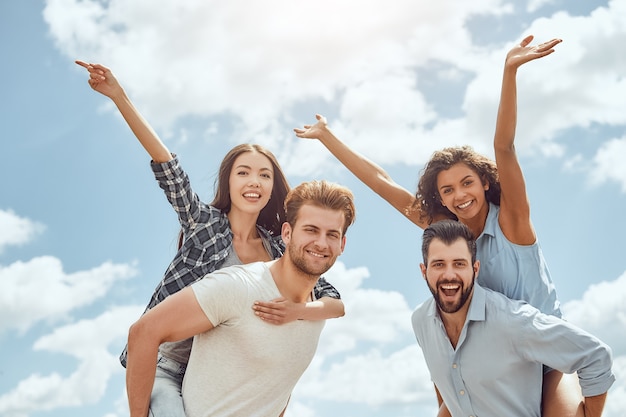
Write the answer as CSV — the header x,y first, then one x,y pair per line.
x,y
490,198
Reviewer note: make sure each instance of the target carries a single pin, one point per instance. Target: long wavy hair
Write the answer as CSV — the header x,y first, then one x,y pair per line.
x,y
272,216
427,198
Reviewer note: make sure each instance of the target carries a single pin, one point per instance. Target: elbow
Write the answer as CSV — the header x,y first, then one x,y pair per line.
x,y
341,309
141,337
135,334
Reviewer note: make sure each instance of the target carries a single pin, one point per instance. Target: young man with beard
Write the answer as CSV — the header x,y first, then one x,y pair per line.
x,y
240,365
485,352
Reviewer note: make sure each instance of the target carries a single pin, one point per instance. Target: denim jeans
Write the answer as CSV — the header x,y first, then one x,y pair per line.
x,y
166,399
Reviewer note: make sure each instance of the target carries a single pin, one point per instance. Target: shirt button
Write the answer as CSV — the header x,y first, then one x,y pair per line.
x,y
462,392
454,366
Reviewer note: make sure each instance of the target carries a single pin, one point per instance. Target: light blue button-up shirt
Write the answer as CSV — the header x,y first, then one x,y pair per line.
x,y
518,271
497,366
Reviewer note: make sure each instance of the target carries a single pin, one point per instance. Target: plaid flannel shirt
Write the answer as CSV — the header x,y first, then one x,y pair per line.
x,y
207,238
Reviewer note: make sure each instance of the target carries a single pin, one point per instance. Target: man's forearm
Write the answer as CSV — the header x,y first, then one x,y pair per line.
x,y
140,372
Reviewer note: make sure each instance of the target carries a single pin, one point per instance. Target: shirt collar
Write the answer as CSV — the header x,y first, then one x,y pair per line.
x,y
492,220
476,310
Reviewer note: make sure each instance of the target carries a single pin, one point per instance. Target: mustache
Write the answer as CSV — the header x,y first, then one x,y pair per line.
x,y
450,281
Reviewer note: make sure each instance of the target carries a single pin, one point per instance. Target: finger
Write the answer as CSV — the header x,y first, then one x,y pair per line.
x,y
553,43
528,39
96,76
270,321
82,64
268,317
267,309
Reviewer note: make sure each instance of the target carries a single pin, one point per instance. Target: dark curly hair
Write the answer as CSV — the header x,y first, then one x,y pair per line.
x,y
427,199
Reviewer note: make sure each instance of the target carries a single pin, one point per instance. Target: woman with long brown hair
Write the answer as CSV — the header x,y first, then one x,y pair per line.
x,y
241,225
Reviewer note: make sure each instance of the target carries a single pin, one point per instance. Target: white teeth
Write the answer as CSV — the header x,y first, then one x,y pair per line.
x,y
251,195
464,205
450,287
317,255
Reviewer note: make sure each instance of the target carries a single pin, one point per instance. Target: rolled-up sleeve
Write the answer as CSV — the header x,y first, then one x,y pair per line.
x,y
567,348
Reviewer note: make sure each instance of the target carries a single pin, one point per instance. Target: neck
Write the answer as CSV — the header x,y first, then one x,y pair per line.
x,y
243,225
292,283
454,322
477,223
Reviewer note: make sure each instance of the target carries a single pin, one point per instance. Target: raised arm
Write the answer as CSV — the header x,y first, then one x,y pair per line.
x,y
178,317
514,205
367,171
101,79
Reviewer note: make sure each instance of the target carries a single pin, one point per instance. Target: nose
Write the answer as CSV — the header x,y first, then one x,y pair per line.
x,y
448,273
459,194
254,181
321,241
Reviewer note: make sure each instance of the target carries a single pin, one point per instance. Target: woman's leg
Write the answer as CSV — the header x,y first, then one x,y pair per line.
x,y
561,395
166,399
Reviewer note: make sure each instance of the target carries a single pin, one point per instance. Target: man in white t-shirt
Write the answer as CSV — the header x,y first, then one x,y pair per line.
x,y
241,365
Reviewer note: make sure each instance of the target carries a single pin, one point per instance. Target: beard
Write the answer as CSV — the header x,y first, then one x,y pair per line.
x,y
308,268
452,306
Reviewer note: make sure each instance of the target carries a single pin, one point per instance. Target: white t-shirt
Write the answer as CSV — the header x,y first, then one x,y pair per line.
x,y
244,366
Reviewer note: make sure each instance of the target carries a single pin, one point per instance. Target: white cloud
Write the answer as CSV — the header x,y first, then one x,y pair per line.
x,y
391,370
87,340
39,290
17,230
372,378
209,58
602,312
608,163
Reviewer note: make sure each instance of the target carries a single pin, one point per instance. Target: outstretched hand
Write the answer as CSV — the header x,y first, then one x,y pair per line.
x,y
101,79
523,53
313,131
278,311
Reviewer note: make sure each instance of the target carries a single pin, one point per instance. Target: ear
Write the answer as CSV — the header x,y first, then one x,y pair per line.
x,y
343,243
476,267
285,232
423,269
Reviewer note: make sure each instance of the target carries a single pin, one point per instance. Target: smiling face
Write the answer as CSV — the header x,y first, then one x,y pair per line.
x,y
250,182
450,274
462,192
315,240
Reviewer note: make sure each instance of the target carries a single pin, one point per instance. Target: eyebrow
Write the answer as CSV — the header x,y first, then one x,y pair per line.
x,y
249,167
452,260
462,179
318,228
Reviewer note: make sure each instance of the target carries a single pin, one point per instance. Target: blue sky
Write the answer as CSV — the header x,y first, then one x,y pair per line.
x,y
85,233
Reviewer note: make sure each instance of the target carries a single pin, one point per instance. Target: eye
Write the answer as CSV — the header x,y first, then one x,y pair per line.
x,y
242,173
446,191
267,176
468,182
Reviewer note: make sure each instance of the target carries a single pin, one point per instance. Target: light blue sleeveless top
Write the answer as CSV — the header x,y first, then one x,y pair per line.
x,y
517,271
